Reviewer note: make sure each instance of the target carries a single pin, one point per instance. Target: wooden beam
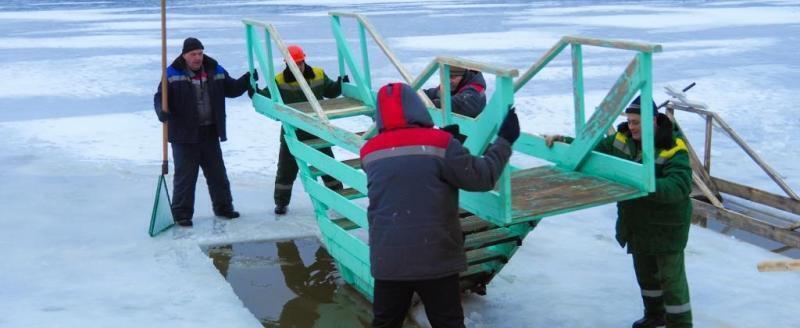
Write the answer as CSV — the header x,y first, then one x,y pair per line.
x,y
746,223
757,195
706,191
780,265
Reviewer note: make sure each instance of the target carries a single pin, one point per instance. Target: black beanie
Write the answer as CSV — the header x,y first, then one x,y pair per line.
x,y
636,108
191,44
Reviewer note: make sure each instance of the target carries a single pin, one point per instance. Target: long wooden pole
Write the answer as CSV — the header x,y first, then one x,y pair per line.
x,y
164,104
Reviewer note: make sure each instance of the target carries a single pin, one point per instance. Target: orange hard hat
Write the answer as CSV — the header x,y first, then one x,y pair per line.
x,y
297,53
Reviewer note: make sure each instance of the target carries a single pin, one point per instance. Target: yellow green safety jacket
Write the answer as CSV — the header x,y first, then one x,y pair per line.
x,y
659,222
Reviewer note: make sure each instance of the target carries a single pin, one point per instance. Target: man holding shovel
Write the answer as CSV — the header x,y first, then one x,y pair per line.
x,y
197,87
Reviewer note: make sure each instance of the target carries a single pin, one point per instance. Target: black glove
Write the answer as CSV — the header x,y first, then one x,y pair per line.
x,y
509,130
437,103
454,130
345,79
250,89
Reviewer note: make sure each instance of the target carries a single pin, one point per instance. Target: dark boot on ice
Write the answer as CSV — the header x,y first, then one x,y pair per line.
x,y
227,214
184,222
651,321
280,209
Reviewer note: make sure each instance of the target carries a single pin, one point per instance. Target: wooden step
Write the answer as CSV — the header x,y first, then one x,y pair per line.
x,y
350,193
336,107
473,224
489,238
318,143
547,190
477,270
345,223
483,255
477,276
353,162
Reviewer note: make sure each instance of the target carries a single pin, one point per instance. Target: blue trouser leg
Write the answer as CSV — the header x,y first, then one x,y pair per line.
x,y
187,165
219,188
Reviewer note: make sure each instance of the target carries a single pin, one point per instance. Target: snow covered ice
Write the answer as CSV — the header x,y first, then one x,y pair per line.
x,y
81,149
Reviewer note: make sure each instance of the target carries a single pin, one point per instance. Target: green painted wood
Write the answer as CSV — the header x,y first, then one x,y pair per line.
x,y
362,37
335,201
598,164
347,173
648,147
577,86
542,191
603,117
494,222
344,50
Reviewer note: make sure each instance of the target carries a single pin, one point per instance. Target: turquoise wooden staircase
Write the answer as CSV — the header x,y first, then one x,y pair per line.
x,y
494,223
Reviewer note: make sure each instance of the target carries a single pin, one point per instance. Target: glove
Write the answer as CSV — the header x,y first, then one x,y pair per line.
x,y
549,139
454,130
250,90
437,103
509,130
344,78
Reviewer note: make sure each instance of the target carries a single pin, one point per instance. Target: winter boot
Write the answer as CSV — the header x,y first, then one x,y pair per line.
x,y
184,222
651,321
280,209
227,214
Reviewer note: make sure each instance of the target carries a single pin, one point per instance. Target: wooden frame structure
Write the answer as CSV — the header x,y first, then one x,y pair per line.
x,y
782,230
495,222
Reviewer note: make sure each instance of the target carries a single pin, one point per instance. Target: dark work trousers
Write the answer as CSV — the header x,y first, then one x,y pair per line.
x,y
441,297
189,158
287,170
665,290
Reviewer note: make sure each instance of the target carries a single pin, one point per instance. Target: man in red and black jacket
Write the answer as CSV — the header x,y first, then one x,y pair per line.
x,y
467,92
414,172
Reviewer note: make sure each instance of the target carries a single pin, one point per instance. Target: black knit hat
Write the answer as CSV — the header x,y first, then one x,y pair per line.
x,y
636,108
191,44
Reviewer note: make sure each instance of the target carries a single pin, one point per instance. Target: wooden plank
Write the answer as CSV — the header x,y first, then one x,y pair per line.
x,y
318,143
780,265
757,195
472,224
698,182
489,238
353,162
750,152
604,116
543,190
478,269
336,107
345,223
484,255
477,66
746,223
350,193
616,44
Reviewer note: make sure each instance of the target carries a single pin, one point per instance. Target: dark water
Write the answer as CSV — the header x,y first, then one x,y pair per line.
x,y
293,283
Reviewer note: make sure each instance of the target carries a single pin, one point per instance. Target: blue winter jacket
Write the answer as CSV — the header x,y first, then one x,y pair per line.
x,y
184,120
468,97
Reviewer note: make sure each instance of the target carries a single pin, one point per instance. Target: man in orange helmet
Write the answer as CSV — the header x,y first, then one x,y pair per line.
x,y
290,91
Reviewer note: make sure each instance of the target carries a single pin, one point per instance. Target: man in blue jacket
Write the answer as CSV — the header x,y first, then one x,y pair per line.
x,y
197,87
414,172
467,92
